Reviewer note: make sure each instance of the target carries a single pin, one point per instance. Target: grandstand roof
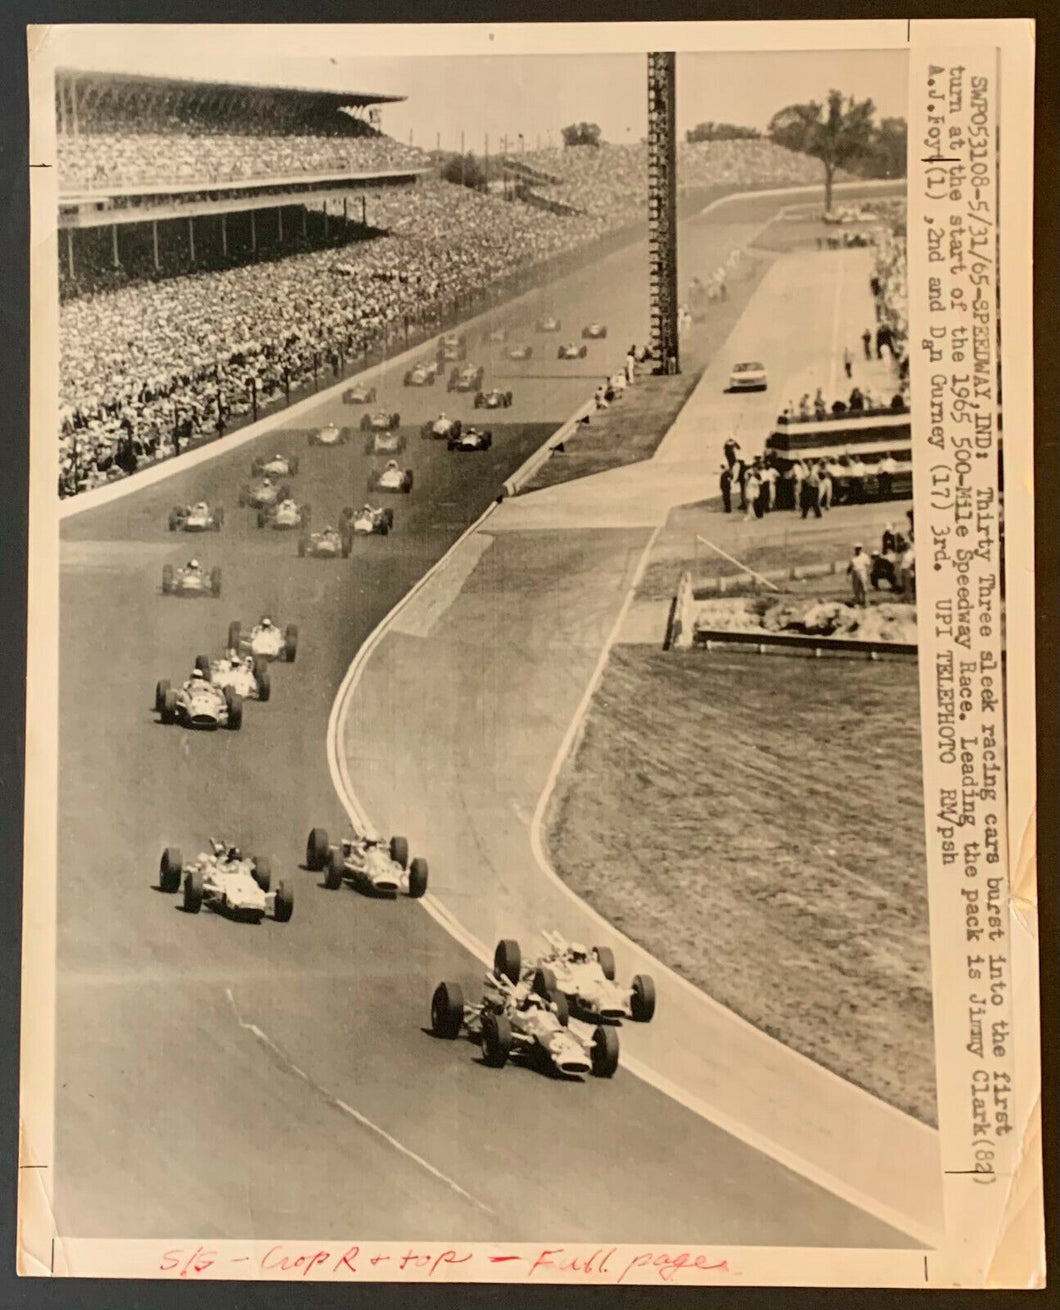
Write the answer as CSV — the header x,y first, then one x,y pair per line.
x,y
104,83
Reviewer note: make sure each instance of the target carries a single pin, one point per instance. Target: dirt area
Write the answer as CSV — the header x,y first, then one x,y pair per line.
x,y
811,616
764,836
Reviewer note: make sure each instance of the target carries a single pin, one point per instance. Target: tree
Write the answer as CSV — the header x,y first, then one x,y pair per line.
x,y
886,156
464,170
839,134
581,134
710,131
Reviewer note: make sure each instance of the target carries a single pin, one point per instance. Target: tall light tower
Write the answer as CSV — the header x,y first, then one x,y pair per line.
x,y
662,208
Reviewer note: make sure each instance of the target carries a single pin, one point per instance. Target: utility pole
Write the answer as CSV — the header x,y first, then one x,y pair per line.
x,y
662,209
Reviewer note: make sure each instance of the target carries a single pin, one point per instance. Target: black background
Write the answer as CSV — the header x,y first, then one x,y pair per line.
x,y
14,456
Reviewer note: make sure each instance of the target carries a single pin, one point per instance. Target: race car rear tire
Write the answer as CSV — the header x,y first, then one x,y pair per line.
x,y
606,957
508,959
303,546
316,849
292,464
447,1010
311,440
335,871
161,687
562,1006
407,485
263,872
233,635
544,980
399,851
170,869
175,516
218,518
417,878
262,678
235,709
605,1052
202,665
263,518
642,998
283,905
169,707
290,643
347,544
215,581
193,891
496,1040
369,446
167,579
373,482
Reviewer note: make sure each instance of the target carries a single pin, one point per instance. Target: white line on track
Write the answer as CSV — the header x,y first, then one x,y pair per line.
x,y
349,1110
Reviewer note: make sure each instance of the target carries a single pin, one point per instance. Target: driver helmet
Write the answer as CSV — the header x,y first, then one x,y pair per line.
x,y
266,622
266,482
578,951
232,654
391,463
198,673
328,530
193,564
442,414
366,509
233,854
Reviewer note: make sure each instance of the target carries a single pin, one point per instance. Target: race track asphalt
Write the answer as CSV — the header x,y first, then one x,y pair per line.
x,y
219,1080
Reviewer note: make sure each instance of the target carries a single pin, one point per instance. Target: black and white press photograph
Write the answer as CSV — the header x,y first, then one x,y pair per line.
x,y
490,809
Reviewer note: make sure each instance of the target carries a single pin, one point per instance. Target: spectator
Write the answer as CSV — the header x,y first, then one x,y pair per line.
x,y
726,488
858,570
866,341
810,493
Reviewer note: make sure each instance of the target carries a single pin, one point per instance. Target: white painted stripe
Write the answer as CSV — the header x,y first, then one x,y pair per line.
x,y
352,1113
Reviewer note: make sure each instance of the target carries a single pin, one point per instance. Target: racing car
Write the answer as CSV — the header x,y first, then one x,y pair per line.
x,y
594,331
367,863
422,374
222,879
279,466
452,347
380,420
470,439
548,324
514,1020
493,399
520,352
359,394
328,544
468,377
585,977
748,377
496,336
263,493
332,435
284,515
191,580
391,478
367,521
247,675
572,351
199,704
196,518
265,639
384,443
442,427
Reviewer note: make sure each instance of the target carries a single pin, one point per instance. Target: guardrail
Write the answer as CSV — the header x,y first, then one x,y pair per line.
x,y
530,466
787,643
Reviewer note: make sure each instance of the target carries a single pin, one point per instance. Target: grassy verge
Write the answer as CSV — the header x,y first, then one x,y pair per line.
x,y
763,835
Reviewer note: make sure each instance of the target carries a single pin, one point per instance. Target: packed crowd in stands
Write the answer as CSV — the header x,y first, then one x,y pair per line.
x,y
773,481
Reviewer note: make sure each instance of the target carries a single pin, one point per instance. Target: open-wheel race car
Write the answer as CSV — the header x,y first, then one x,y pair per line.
x,y
367,863
442,428
284,515
594,331
512,1020
199,704
226,882
196,518
495,336
470,438
191,580
388,442
452,347
550,323
380,420
585,977
247,675
263,493
330,435
278,466
328,544
468,377
359,394
572,351
391,478
493,399
422,374
265,639
367,521
520,352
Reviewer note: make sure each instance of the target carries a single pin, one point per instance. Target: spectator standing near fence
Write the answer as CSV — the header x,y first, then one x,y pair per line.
x,y
824,487
810,494
858,570
726,488
752,486
730,448
866,341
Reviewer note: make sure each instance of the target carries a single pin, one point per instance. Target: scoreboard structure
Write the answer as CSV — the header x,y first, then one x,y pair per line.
x,y
662,209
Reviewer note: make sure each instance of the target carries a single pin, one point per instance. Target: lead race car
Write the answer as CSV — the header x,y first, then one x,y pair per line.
x,y
550,323
572,351
359,394
386,442
367,863
391,478
247,675
265,639
468,377
263,493
520,352
199,704
493,399
331,435
191,580
380,420
367,521
196,518
329,544
594,331
442,428
514,1020
279,466
285,515
226,882
585,977
422,374
470,439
